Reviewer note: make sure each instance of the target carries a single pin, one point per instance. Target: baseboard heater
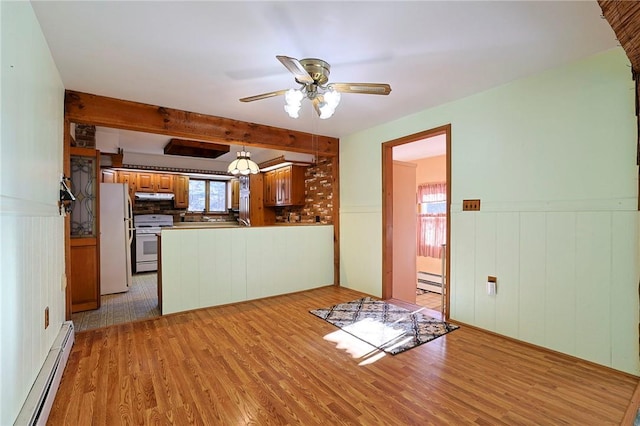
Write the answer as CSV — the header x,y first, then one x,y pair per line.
x,y
430,282
37,407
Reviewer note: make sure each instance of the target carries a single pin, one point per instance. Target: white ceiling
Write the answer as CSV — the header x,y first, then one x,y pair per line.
x,y
204,56
425,148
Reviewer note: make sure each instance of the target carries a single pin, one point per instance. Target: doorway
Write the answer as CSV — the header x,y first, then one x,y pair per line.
x,y
396,284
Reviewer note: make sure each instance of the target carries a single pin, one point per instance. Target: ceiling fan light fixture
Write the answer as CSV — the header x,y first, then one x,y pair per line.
x,y
331,100
293,110
313,76
243,164
293,99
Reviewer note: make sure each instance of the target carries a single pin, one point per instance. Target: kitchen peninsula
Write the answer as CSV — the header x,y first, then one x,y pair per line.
x,y
209,266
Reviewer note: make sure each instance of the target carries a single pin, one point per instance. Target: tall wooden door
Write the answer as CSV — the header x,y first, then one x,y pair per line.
x,y
405,275
85,236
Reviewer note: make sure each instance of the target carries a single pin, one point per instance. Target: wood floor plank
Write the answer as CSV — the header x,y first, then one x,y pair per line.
x,y
270,362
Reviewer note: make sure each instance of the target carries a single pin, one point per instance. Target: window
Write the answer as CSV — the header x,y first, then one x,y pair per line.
x,y
207,195
433,207
432,219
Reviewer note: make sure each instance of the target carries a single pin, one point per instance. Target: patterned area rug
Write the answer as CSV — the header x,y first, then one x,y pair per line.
x,y
388,327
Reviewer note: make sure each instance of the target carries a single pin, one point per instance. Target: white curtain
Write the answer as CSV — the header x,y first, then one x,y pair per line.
x,y
432,227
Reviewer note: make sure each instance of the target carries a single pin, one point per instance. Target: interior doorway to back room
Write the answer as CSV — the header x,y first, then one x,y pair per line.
x,y
416,175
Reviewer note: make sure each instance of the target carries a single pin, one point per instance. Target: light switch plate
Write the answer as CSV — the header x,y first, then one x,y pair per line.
x,y
470,205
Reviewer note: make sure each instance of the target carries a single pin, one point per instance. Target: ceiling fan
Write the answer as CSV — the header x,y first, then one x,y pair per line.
x,y
313,75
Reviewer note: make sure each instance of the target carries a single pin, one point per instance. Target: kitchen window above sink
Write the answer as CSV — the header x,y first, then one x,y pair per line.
x,y
207,195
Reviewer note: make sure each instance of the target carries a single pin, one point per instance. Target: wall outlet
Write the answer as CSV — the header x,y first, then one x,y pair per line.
x,y
46,317
492,286
470,205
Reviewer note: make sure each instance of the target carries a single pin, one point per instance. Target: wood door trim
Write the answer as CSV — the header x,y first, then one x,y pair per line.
x,y
387,207
66,170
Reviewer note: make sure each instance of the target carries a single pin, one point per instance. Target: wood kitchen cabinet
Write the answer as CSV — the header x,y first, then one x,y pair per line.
x,y
251,201
164,182
130,178
145,182
269,189
109,176
181,191
284,186
235,194
154,182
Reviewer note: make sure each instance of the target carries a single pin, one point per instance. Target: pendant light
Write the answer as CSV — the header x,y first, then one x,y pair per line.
x,y
243,165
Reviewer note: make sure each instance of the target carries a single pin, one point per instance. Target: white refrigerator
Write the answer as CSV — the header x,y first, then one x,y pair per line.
x,y
116,234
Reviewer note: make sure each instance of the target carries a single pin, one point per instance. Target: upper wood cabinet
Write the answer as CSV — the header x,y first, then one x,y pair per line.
x,y
164,182
145,182
154,182
251,201
270,188
284,186
181,191
109,176
235,194
127,177
130,179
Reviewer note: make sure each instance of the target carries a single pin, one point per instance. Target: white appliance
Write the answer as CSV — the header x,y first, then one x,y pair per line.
x,y
147,227
116,234
154,196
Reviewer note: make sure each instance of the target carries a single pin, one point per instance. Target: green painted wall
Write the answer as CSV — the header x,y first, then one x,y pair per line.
x,y
553,159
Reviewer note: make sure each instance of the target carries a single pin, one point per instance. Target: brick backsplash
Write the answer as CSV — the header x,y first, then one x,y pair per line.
x,y
157,207
318,182
166,207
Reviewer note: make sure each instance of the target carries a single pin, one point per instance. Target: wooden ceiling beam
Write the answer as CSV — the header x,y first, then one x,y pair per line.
x,y
110,112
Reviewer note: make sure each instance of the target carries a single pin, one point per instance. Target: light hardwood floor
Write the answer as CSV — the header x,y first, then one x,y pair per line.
x,y
270,362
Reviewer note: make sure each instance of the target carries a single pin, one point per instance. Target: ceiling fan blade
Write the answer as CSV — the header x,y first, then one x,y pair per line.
x,y
264,96
316,103
364,88
295,67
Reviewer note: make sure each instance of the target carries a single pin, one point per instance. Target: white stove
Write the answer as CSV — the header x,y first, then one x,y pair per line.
x,y
147,226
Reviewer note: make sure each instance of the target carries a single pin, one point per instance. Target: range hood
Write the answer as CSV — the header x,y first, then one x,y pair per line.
x,y
153,196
